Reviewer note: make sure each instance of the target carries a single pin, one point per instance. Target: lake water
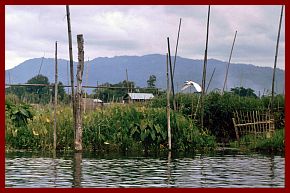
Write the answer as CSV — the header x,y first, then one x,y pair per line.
x,y
89,170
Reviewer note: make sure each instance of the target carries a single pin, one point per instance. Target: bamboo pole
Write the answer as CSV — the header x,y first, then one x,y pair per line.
x,y
127,81
227,70
87,77
85,86
168,106
177,41
258,125
41,64
275,62
197,106
80,69
204,70
210,80
71,64
171,75
55,98
67,75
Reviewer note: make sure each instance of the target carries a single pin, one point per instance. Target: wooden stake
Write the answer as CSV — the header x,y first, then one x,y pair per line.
x,y
127,81
176,46
71,64
67,75
210,80
55,98
80,69
204,70
227,70
41,64
171,75
168,106
275,62
87,77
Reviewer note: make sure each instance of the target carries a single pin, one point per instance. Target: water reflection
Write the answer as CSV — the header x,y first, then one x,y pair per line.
x,y
77,170
82,170
170,180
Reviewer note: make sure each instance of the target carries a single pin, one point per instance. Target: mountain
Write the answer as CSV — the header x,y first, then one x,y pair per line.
x,y
113,70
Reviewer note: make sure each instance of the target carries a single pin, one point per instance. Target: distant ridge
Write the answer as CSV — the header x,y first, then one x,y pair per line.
x,y
113,70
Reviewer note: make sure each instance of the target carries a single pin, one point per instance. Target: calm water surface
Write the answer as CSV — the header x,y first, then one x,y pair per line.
x,y
87,170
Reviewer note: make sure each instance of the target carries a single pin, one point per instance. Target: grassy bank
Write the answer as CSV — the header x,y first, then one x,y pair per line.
x,y
262,143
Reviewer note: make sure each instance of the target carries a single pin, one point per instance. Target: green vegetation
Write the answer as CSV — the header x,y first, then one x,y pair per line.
x,y
262,143
151,81
141,127
244,92
117,127
116,95
38,94
219,110
108,94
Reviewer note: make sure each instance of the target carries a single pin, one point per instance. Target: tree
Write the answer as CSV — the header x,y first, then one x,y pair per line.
x,y
108,94
39,79
38,94
244,92
151,81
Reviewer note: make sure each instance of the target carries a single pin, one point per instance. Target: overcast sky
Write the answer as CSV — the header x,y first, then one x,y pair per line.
x,y
31,32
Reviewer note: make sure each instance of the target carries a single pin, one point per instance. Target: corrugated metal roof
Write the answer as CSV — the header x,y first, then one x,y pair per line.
x,y
97,101
140,96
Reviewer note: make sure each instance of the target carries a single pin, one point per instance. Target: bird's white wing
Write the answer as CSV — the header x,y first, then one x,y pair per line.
x,y
196,86
185,86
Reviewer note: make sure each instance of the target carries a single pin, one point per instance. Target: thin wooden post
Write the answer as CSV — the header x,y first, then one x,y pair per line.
x,y
87,77
255,122
236,129
41,64
168,106
71,64
210,80
258,125
204,70
127,81
67,75
176,46
80,69
55,98
171,75
275,62
227,70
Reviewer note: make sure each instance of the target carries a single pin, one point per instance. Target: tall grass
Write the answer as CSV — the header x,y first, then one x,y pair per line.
x,y
263,143
219,110
117,127
137,127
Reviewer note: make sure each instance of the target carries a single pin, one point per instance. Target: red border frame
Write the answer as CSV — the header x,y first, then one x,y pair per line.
x,y
132,2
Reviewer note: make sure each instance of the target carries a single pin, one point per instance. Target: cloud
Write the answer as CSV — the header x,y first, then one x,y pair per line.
x,y
138,30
